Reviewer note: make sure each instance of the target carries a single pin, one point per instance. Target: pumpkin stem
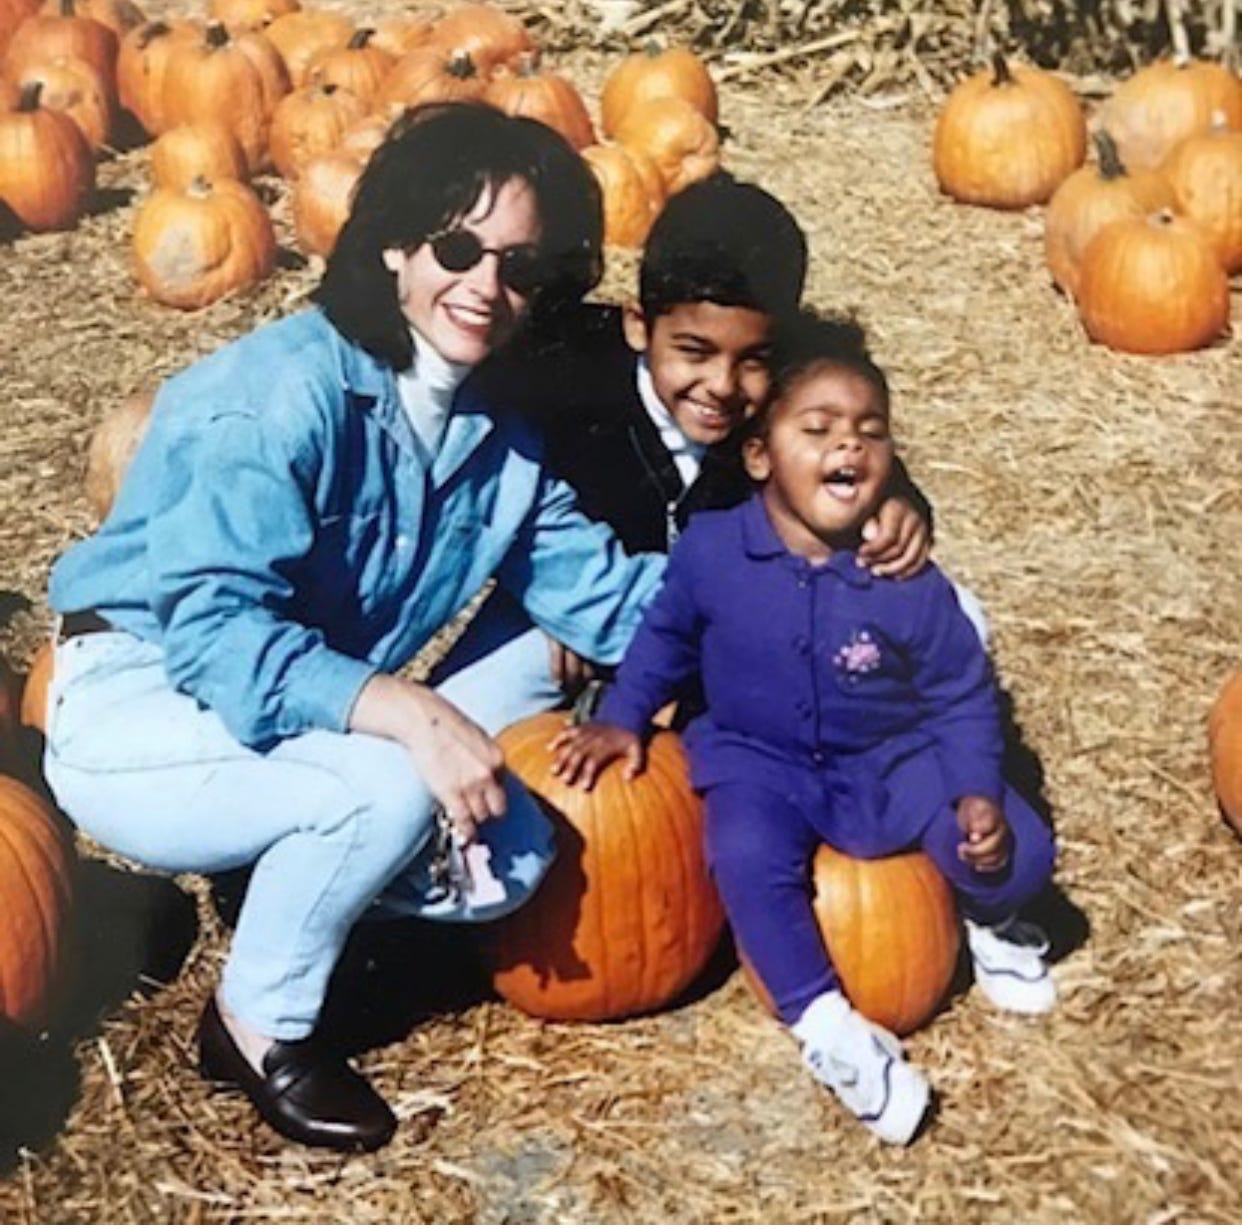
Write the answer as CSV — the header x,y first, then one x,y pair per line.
x,y
461,66
199,188
66,8
1000,69
361,37
217,35
528,64
588,702
1111,165
29,99
652,48
151,31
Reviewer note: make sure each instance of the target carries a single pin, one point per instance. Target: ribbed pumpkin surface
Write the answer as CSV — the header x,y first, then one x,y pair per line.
x,y
35,895
1225,744
627,916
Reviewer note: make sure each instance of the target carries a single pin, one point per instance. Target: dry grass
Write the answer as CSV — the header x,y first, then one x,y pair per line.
x,y
1093,501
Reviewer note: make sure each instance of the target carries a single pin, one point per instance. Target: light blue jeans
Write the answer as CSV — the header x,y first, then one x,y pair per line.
x,y
336,824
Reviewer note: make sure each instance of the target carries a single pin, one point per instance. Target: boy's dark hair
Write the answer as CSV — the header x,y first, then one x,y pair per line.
x,y
432,167
723,241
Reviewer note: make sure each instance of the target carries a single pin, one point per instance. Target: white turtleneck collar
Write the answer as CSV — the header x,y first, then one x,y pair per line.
x,y
427,388
687,454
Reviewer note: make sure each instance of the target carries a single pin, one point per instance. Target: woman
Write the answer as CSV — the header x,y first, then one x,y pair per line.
x,y
310,505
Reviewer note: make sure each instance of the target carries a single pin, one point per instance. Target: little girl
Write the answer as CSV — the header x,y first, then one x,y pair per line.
x,y
841,708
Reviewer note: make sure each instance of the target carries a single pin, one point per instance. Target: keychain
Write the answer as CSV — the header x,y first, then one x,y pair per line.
x,y
459,870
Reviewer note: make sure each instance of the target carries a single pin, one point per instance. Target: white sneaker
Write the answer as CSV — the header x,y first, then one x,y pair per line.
x,y
1010,967
863,1064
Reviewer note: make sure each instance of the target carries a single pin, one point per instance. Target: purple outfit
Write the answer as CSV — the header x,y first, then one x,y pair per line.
x,y
841,708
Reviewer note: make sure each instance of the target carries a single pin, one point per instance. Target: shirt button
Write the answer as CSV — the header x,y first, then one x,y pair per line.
x,y
403,541
817,757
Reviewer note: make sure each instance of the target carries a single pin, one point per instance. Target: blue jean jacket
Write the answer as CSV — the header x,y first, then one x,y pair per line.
x,y
281,537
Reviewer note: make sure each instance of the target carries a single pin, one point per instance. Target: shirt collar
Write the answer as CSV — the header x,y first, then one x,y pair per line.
x,y
671,435
761,541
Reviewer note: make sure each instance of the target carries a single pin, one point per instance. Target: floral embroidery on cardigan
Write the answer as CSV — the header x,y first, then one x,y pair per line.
x,y
858,656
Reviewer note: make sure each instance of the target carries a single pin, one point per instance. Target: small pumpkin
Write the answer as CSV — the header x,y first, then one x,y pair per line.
x,y
1153,285
397,35
1008,137
1088,200
427,74
47,170
1205,172
677,137
552,99
675,72
76,89
891,931
242,16
120,16
206,150
633,192
63,32
301,36
321,199
488,35
36,895
627,915
142,65
1165,102
193,247
311,121
1225,749
359,66
112,448
34,693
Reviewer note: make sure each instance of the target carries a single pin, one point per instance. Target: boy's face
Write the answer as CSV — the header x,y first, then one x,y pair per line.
x,y
709,364
825,460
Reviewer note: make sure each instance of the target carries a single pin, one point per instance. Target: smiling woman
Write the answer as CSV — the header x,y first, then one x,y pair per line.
x,y
308,507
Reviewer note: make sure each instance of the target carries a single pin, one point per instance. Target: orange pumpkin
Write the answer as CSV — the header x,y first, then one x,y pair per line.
x,y
655,73
397,35
359,67
301,36
34,693
120,16
36,893
235,80
112,448
1153,285
1166,102
1225,749
676,136
47,170
891,931
12,14
76,89
547,97
363,138
427,74
628,915
488,35
633,192
142,65
188,152
1008,137
193,247
321,200
241,16
63,32
1205,171
311,121
1088,200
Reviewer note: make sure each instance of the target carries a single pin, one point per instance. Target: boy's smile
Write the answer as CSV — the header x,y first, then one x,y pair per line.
x,y
708,362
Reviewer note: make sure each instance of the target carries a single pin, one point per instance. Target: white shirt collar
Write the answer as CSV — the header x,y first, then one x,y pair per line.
x,y
687,454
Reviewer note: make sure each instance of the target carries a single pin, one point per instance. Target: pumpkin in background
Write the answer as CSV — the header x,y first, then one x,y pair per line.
x,y
676,136
193,247
633,192
321,198
488,35
242,16
628,915
397,35
34,693
655,73
363,138
553,100
112,448
12,14
1088,200
1153,285
76,89
1008,136
1166,102
59,32
142,65
36,893
301,36
47,170
120,16
1225,749
428,74
891,930
309,122
1205,172
359,67
187,152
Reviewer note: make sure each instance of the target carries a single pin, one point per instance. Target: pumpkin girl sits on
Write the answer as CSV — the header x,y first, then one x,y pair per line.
x,y
841,707
309,506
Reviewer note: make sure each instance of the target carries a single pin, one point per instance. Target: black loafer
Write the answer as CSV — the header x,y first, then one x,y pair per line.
x,y
306,1093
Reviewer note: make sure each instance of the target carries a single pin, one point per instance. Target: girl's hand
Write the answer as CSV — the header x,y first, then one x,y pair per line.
x,y
460,764
986,847
896,540
582,752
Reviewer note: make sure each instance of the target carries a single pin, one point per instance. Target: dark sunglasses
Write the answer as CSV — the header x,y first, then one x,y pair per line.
x,y
460,250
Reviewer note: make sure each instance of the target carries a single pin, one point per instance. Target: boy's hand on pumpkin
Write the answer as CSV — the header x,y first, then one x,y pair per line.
x,y
986,847
896,540
581,753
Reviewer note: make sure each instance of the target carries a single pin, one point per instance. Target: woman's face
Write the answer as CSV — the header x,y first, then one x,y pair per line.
x,y
466,314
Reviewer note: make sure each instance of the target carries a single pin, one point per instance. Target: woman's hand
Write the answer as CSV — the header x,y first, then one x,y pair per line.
x,y
461,765
986,847
896,540
582,752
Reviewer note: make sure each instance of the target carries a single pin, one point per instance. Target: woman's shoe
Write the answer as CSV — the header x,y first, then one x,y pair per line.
x,y
306,1093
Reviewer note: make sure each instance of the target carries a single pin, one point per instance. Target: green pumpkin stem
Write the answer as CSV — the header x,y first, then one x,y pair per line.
x,y
1001,70
1111,165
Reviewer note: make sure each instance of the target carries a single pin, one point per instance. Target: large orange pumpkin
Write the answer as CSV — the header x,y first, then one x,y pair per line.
x,y
428,74
547,97
301,36
1008,136
891,931
142,65
360,66
633,192
78,90
1225,749
36,891
655,73
1153,285
1205,171
676,136
63,32
188,152
488,35
322,195
628,915
309,122
12,14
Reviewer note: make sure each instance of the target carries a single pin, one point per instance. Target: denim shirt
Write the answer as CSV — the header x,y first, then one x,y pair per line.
x,y
281,538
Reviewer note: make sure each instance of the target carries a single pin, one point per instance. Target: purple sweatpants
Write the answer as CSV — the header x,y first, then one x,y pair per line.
x,y
760,843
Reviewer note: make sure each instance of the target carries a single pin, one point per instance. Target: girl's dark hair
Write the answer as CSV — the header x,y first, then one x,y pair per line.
x,y
723,241
432,167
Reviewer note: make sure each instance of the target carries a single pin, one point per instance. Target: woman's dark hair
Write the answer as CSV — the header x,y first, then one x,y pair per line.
x,y
723,241
435,163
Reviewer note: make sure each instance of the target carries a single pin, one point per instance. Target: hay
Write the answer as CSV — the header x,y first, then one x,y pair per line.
x,y
1094,503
